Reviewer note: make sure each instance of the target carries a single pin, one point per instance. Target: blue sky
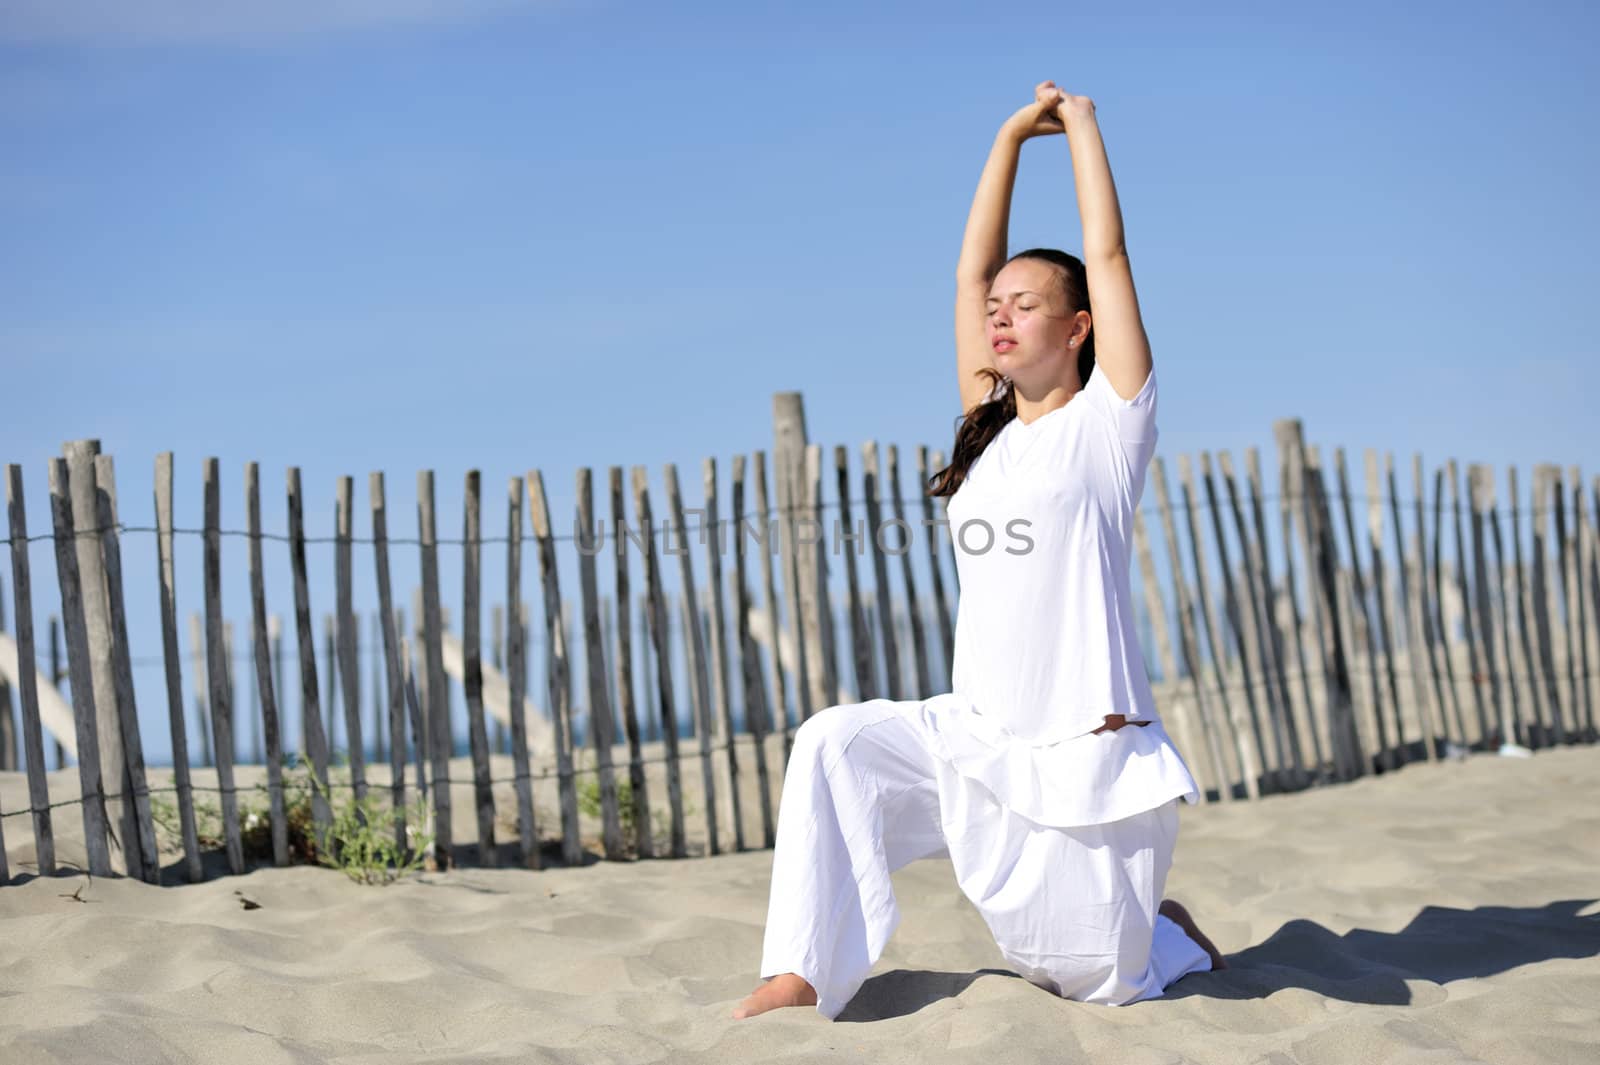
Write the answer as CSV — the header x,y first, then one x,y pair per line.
x,y
506,236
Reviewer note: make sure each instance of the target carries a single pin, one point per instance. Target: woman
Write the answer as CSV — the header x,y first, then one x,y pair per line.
x,y
1059,820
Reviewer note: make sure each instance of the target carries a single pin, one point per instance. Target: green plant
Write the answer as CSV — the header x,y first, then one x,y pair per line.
x,y
587,782
169,827
589,798
361,839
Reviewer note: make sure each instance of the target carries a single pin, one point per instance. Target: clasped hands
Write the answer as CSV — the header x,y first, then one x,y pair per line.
x,y
1052,111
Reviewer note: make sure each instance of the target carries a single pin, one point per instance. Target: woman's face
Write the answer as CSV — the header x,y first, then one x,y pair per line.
x,y
1029,323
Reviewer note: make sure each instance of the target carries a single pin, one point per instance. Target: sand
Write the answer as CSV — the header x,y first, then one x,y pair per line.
x,y
1444,913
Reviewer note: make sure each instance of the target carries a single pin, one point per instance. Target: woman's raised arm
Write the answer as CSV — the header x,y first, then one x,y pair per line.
x,y
983,246
1121,348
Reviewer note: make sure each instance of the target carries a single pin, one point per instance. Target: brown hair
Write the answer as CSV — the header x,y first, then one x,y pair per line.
x,y
980,425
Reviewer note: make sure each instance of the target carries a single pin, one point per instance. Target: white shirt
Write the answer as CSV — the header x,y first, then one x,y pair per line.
x,y
1045,643
1043,527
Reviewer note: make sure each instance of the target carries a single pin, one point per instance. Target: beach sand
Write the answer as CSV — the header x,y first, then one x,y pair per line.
x,y
1443,913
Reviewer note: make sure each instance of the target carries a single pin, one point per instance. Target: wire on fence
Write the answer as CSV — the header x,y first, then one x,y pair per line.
x,y
662,527
465,782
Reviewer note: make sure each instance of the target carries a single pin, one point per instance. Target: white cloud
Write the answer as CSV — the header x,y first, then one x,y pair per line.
x,y
117,22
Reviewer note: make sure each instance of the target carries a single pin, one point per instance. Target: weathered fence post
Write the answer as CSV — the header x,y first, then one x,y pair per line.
x,y
719,647
1480,498
348,630
44,842
871,487
656,615
118,799
694,650
1479,606
435,693
815,597
941,603
85,720
589,542
1559,606
861,641
1564,618
780,685
643,838
1380,599
1539,733
1475,667
788,462
217,669
516,678
1455,714
1582,559
919,647
1542,607
149,865
756,717
393,669
311,714
420,746
472,666
1437,730
559,661
268,692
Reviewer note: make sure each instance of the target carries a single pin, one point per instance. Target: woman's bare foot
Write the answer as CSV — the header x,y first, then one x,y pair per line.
x,y
788,989
1174,911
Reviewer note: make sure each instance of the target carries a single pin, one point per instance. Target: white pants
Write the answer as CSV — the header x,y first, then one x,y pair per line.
x,y
1073,910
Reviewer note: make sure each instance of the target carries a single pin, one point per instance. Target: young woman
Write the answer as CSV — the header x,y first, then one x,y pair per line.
x,y
1059,820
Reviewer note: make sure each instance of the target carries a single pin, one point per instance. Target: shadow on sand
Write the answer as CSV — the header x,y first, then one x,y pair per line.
x,y
1440,945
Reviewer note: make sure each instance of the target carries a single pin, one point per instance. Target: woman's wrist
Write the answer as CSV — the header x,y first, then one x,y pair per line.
x,y
1079,116
1010,136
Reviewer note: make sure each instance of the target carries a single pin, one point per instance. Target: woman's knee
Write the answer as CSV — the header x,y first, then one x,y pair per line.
x,y
826,733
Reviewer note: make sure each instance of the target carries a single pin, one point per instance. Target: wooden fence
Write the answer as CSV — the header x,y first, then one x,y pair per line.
x,y
1360,647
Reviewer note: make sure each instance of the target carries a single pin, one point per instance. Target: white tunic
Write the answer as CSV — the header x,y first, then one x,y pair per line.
x,y
1045,643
